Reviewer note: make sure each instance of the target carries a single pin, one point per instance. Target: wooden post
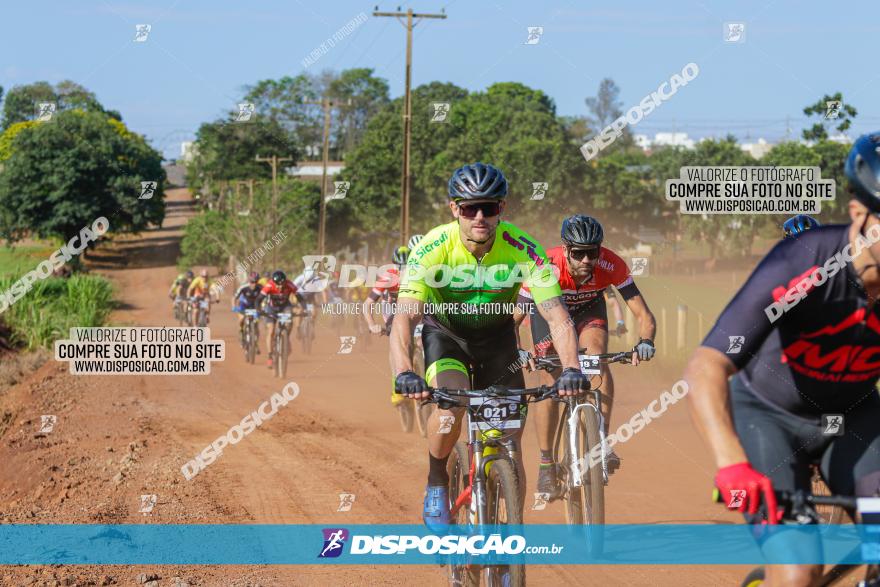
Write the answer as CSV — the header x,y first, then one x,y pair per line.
x,y
681,331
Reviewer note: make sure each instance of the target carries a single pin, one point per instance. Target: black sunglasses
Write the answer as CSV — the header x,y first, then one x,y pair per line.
x,y
470,210
589,252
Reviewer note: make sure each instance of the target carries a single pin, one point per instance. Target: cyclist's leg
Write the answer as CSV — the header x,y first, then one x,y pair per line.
x,y
851,463
779,445
591,324
546,414
446,367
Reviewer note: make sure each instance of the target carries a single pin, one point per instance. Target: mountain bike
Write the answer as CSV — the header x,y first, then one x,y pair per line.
x,y
202,311
580,429
179,310
800,507
250,334
483,484
280,351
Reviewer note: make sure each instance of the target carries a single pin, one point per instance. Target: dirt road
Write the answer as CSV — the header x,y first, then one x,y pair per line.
x,y
117,438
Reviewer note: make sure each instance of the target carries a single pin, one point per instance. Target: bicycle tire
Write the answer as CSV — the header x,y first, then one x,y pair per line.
x,y
585,505
251,343
458,468
203,318
755,578
503,500
283,355
308,335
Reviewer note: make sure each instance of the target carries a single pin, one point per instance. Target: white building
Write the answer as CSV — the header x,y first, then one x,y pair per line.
x,y
758,149
188,150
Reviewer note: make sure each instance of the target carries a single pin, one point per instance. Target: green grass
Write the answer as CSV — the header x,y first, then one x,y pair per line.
x,y
19,260
54,305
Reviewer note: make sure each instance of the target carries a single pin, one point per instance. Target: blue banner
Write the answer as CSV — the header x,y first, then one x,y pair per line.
x,y
631,544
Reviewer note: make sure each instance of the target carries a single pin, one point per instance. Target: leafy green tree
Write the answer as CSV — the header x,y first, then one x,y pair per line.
x,y
819,130
226,150
606,107
361,96
62,175
20,103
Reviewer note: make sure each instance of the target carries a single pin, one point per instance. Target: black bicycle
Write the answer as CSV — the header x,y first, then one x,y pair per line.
x,y
250,335
800,507
579,431
483,484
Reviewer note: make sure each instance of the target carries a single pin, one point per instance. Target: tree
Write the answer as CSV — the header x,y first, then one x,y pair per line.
x,y
62,175
21,101
227,150
367,94
819,130
606,107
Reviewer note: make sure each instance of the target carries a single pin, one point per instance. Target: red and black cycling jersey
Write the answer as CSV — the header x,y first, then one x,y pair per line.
x,y
822,354
610,270
278,296
387,286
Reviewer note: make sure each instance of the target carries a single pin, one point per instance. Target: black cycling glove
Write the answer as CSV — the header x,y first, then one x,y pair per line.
x,y
573,381
409,382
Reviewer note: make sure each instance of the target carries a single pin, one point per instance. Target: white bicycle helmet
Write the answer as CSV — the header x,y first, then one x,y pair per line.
x,y
414,241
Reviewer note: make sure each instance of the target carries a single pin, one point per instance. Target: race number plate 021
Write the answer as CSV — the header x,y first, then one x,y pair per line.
x,y
284,317
250,312
496,413
589,364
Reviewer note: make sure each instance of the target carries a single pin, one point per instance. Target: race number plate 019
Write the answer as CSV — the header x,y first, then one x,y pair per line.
x,y
496,413
284,318
589,364
250,312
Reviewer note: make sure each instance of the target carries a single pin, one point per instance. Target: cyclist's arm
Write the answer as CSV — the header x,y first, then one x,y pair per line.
x,y
706,375
408,315
647,322
561,330
614,305
367,309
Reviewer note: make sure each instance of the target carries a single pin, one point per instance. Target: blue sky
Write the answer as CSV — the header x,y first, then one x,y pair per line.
x,y
201,53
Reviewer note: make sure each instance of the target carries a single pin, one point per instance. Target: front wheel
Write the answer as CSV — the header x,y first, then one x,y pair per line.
x,y
251,342
460,573
308,334
584,504
283,354
503,507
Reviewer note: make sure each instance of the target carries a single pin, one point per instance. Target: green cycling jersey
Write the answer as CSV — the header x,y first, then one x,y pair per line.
x,y
468,295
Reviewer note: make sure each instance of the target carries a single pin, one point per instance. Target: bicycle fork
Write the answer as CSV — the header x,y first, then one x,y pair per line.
x,y
580,464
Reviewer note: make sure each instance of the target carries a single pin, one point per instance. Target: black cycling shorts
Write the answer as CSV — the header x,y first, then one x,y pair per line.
x,y
782,446
593,315
487,360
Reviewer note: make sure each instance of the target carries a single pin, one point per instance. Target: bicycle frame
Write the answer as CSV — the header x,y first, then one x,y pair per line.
x,y
474,494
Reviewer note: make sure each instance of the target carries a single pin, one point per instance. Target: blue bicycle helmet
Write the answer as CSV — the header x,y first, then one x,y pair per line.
x,y
798,224
862,169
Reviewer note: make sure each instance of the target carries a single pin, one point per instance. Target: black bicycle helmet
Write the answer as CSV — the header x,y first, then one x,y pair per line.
x,y
400,255
582,231
862,169
190,274
279,277
798,224
477,181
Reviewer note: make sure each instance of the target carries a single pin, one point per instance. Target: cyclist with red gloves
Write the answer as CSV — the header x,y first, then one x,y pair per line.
x,y
585,270
796,350
276,293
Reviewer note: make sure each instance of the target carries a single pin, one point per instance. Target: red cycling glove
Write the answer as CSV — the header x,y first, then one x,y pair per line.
x,y
742,488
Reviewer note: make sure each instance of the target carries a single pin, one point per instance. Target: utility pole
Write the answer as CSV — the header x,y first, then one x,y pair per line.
x,y
274,160
327,104
407,111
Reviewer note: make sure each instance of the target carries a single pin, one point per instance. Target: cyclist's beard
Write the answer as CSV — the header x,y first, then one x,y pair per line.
x,y
489,238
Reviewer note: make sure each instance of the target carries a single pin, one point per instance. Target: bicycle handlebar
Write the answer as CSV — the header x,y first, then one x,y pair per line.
x,y
451,396
786,498
552,361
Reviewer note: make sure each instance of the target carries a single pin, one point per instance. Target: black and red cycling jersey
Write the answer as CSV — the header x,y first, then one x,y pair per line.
x,y
820,356
278,296
610,270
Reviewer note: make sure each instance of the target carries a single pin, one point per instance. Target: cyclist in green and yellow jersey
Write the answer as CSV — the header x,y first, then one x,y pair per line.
x,y
464,278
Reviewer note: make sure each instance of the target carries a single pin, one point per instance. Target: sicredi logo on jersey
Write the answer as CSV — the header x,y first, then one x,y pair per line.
x,y
820,274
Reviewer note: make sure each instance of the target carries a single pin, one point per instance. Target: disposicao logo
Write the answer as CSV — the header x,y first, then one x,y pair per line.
x,y
334,540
